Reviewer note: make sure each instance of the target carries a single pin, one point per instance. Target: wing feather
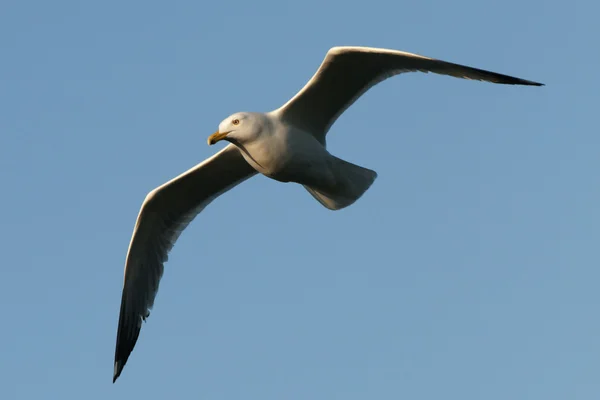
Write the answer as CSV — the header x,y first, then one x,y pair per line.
x,y
165,213
347,73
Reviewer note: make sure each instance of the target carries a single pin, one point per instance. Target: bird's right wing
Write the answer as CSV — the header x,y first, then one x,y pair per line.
x,y
165,213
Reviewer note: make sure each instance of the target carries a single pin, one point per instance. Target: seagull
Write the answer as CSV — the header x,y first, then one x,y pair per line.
x,y
287,145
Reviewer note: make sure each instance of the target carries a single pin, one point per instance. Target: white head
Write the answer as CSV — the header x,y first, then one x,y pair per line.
x,y
240,128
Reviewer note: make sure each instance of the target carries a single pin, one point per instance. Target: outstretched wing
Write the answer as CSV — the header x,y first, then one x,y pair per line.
x,y
348,72
165,213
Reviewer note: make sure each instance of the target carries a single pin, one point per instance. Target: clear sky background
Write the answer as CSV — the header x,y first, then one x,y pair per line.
x,y
469,270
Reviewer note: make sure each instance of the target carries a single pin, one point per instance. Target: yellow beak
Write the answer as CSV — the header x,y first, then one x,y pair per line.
x,y
215,137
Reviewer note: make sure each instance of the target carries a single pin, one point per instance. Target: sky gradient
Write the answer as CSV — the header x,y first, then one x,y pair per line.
x,y
469,270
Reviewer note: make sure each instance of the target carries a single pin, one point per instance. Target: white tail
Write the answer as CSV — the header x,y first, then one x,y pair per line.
x,y
351,182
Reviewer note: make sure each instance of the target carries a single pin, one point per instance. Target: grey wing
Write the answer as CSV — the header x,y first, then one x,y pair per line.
x,y
348,72
165,213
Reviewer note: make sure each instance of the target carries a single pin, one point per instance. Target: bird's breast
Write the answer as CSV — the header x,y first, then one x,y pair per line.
x,y
285,158
269,158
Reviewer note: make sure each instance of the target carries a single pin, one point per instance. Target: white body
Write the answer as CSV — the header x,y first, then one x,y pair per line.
x,y
291,155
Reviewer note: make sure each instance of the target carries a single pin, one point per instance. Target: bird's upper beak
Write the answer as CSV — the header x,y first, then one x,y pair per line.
x,y
215,137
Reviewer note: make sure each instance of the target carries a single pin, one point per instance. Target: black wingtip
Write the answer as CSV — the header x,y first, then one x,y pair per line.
x,y
118,369
525,82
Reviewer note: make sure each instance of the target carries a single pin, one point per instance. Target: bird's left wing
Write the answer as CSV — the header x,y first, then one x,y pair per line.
x,y
348,72
164,214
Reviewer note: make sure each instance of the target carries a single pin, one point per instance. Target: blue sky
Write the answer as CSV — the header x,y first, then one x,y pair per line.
x,y
468,271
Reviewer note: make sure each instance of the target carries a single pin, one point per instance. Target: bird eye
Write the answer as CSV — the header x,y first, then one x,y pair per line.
x,y
235,121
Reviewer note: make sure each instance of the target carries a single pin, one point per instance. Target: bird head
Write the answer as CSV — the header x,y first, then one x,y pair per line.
x,y
239,128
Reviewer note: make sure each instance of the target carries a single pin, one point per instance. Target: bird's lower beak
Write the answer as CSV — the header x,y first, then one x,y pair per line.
x,y
215,137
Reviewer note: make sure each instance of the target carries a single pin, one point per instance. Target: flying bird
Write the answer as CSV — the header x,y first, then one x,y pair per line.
x,y
287,145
